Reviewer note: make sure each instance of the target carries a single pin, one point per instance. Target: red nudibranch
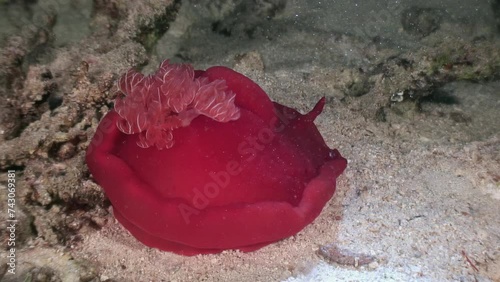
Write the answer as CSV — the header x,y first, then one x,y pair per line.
x,y
198,162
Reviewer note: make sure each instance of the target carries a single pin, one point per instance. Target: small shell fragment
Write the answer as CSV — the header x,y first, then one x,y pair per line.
x,y
334,254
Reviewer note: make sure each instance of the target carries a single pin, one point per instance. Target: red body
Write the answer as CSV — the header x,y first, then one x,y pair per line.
x,y
240,184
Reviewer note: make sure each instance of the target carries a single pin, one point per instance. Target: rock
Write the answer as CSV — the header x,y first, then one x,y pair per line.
x,y
421,21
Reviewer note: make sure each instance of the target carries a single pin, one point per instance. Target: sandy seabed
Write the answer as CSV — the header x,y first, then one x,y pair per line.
x,y
419,200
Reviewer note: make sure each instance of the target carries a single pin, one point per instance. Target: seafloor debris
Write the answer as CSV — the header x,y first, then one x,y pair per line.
x,y
421,21
334,254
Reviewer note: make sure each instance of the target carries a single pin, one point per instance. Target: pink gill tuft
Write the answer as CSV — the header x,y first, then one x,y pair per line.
x,y
154,105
